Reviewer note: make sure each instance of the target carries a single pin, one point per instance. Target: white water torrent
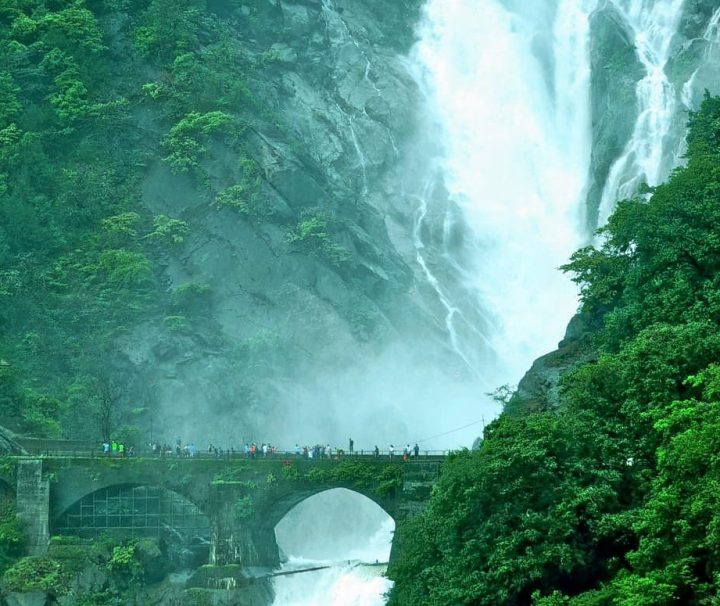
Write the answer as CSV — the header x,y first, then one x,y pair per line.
x,y
341,585
362,536
712,37
509,90
647,156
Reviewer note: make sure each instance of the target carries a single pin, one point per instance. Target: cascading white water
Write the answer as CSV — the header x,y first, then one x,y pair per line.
x,y
711,35
507,82
510,92
363,536
340,585
647,156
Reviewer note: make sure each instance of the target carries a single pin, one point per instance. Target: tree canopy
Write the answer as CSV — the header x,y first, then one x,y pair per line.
x,y
612,498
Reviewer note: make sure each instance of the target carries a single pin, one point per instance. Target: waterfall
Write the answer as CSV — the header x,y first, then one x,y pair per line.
x,y
506,85
712,37
342,548
509,91
648,156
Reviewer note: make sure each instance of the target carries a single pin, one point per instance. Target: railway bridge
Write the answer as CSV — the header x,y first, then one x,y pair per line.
x,y
224,508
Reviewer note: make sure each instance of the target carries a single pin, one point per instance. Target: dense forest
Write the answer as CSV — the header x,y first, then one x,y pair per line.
x,y
612,498
132,132
80,256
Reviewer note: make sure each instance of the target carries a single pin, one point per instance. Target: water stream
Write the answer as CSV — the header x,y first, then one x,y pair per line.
x,y
648,155
361,534
506,85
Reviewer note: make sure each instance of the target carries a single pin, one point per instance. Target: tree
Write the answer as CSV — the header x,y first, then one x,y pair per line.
x,y
108,406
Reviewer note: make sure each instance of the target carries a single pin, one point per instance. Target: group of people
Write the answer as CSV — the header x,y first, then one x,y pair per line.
x,y
321,452
180,449
116,448
251,450
407,451
317,452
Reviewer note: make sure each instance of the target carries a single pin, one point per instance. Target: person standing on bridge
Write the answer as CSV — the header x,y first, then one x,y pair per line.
x,y
376,452
392,451
351,444
416,450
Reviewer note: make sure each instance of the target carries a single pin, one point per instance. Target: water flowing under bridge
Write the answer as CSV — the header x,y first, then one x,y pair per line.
x,y
229,505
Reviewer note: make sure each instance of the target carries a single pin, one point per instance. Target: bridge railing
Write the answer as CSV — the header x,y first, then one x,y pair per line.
x,y
237,455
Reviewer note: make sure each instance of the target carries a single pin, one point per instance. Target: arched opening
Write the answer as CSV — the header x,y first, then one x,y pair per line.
x,y
346,538
125,512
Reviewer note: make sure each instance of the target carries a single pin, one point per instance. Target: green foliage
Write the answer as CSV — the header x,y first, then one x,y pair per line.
x,y
291,472
235,474
124,561
124,224
167,231
177,324
312,236
244,507
168,27
185,140
198,597
12,540
36,574
73,269
125,268
245,197
359,476
191,296
40,414
87,90
612,498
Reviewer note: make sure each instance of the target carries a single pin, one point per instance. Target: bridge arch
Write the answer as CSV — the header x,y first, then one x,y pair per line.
x,y
74,488
285,502
137,511
337,523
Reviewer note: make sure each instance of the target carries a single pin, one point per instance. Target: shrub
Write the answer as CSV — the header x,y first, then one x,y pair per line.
x,y
168,231
184,140
312,236
191,296
12,539
36,574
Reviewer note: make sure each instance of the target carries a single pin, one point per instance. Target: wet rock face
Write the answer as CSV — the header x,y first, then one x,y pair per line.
x,y
275,311
615,71
696,16
539,389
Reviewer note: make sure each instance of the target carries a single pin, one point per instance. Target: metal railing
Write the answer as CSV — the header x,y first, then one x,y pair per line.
x,y
239,455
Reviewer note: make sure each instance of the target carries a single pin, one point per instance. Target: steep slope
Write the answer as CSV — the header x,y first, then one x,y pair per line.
x,y
195,213
609,497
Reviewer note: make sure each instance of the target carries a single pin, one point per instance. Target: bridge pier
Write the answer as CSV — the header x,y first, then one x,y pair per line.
x,y
237,534
33,504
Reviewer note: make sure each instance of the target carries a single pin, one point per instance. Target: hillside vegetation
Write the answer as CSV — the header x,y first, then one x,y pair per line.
x,y
81,258
612,498
168,210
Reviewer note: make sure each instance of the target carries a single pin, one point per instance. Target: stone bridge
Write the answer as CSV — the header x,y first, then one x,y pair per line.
x,y
238,501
